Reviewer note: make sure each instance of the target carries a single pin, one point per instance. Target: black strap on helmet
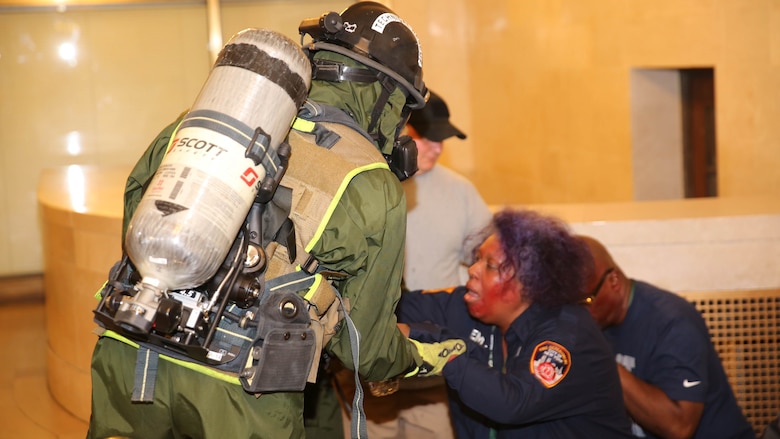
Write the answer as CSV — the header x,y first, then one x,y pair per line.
x,y
337,72
388,86
414,102
334,71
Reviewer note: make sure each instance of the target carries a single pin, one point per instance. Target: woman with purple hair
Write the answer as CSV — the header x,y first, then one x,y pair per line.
x,y
536,364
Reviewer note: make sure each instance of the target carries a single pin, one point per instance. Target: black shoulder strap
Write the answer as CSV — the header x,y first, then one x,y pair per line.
x,y
317,112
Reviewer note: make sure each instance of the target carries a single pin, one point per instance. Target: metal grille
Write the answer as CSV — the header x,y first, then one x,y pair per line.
x,y
745,329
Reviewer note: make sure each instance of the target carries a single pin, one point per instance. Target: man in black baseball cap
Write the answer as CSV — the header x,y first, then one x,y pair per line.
x,y
429,127
433,121
435,251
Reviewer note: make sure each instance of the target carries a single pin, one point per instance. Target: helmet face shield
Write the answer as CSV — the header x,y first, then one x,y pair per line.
x,y
372,34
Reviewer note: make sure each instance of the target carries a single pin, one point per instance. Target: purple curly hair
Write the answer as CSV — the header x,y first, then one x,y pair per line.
x,y
550,262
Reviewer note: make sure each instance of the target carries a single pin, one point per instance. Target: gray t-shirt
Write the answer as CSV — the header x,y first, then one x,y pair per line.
x,y
444,210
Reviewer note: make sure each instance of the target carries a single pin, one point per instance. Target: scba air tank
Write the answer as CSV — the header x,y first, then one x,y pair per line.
x,y
196,202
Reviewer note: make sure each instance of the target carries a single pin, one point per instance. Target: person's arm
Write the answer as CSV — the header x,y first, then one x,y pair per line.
x,y
509,392
365,240
427,305
667,394
654,411
511,398
480,214
144,170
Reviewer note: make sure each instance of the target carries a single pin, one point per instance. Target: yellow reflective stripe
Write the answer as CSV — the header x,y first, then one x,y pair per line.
x,y
303,125
204,370
412,373
337,196
313,288
173,135
99,296
116,336
223,376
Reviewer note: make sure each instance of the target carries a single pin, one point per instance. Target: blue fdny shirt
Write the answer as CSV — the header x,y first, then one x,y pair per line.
x,y
558,380
664,341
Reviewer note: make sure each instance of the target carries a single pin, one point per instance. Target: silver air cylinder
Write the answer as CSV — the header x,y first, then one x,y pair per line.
x,y
196,202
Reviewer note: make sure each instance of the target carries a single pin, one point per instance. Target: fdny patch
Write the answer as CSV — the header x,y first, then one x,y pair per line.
x,y
550,362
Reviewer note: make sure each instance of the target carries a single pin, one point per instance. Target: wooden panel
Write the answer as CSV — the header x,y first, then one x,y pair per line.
x,y
79,249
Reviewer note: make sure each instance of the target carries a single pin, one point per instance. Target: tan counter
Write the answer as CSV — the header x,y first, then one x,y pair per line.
x,y
81,218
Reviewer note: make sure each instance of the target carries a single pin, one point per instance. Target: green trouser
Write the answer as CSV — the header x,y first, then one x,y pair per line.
x,y
322,411
187,404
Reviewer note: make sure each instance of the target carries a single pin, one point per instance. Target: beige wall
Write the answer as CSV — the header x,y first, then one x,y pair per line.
x,y
134,69
542,88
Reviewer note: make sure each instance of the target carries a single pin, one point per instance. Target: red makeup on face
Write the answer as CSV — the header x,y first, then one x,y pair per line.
x,y
487,283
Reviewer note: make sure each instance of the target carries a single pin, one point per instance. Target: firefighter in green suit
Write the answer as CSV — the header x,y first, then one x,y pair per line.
x,y
367,76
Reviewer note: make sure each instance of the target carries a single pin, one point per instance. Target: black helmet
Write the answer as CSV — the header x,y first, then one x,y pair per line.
x,y
372,34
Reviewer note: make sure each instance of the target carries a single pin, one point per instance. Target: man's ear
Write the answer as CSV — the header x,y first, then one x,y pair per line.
x,y
410,131
613,280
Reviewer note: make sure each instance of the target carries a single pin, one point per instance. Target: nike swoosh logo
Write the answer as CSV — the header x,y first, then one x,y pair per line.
x,y
687,383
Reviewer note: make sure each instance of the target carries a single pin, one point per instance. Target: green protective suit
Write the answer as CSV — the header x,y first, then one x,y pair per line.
x,y
363,239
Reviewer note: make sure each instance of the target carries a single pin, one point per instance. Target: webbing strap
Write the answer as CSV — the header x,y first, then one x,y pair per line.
x,y
296,280
323,137
358,421
145,375
320,293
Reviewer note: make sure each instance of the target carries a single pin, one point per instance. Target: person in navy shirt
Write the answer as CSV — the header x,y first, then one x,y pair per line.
x,y
673,381
536,365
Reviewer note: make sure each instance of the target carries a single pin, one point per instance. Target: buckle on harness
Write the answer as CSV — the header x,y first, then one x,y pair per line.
x,y
283,351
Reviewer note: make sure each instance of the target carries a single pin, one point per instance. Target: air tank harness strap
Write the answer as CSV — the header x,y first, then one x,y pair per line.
x,y
319,294
323,137
321,298
145,375
358,418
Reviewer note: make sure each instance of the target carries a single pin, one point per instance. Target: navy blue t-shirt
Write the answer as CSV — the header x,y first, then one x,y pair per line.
x,y
664,341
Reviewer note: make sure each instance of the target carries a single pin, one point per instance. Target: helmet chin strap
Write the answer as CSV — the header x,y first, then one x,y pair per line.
x,y
388,86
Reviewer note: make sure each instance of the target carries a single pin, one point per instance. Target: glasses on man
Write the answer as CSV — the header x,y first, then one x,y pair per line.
x,y
592,296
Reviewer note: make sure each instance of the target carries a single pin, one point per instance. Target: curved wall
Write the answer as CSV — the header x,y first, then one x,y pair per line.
x,y
81,223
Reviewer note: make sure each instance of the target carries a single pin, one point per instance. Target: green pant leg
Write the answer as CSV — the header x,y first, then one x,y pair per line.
x,y
186,403
113,414
322,415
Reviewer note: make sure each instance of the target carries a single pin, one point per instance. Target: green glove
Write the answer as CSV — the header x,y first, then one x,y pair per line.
x,y
434,356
